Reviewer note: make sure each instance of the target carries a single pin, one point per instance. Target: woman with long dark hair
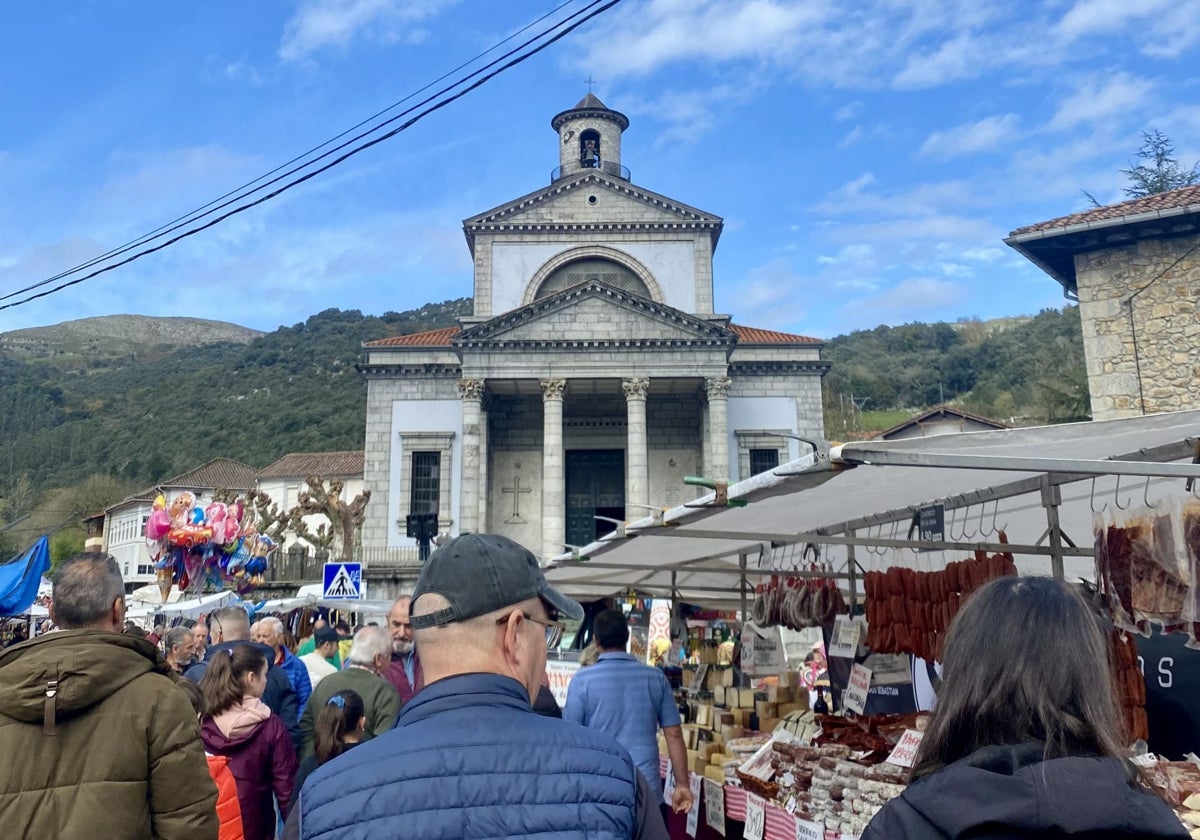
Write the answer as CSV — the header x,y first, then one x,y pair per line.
x,y
339,726
1025,740
238,725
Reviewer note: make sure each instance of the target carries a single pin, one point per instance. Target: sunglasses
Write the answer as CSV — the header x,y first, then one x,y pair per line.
x,y
554,629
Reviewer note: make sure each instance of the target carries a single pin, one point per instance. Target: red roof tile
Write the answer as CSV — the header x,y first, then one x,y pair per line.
x,y
432,338
325,464
753,335
1180,199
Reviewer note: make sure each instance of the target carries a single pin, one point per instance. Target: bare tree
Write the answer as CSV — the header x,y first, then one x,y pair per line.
x,y
345,519
266,514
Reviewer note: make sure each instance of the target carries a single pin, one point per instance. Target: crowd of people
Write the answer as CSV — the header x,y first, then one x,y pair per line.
x,y
426,727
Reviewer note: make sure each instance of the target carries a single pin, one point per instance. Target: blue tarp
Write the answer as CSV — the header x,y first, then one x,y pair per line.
x,y
19,578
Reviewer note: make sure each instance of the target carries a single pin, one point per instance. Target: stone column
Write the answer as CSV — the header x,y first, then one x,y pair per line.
x,y
554,517
471,391
484,459
717,389
637,459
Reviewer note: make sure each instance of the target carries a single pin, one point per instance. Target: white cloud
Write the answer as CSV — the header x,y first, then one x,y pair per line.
x,y
915,297
324,24
851,253
1161,28
970,138
849,111
1102,98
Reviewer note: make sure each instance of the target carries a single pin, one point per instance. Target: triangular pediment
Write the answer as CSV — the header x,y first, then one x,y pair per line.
x,y
557,204
596,313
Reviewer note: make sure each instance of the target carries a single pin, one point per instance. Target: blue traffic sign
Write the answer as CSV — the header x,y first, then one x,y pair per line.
x,y
343,581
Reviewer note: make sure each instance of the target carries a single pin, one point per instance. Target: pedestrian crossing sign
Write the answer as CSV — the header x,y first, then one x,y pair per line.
x,y
343,581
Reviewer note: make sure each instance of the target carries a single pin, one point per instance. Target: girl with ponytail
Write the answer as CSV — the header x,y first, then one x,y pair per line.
x,y
339,726
239,726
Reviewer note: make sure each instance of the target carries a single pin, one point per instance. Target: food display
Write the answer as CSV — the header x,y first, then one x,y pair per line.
x,y
797,603
909,611
1178,782
1130,685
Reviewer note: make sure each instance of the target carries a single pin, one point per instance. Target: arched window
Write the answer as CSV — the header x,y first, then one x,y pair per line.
x,y
588,269
589,148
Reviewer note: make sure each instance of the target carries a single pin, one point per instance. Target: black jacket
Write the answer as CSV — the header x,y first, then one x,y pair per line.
x,y
1004,793
279,695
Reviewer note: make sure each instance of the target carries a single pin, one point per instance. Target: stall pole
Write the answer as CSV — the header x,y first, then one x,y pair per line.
x,y
1051,499
851,567
742,588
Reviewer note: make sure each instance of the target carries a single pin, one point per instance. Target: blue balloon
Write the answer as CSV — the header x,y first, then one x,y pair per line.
x,y
197,516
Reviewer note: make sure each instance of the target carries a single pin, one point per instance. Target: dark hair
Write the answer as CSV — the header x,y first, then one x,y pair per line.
x,y
342,627
194,695
341,714
1026,661
224,680
611,629
85,588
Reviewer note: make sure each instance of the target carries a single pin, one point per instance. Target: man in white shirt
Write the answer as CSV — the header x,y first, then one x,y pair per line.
x,y
319,662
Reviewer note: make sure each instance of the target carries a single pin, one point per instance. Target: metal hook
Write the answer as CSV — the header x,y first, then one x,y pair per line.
x,y
1117,496
1092,499
879,550
995,511
1146,494
966,520
982,515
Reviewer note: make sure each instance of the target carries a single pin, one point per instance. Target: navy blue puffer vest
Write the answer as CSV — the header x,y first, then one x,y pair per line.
x,y
469,760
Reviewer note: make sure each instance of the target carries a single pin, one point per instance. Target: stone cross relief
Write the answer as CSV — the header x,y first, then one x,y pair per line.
x,y
516,491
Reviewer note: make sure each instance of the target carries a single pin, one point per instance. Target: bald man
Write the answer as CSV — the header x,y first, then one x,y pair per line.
x,y
404,670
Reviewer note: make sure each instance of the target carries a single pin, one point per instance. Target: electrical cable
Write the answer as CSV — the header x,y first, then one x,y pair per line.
x,y
195,215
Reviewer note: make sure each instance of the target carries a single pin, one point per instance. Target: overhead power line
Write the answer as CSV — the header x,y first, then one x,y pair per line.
x,y
564,27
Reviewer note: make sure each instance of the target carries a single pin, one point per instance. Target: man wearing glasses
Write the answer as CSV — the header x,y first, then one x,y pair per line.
x,y
468,758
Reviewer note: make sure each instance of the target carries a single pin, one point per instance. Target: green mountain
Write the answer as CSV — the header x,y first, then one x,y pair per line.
x,y
1022,371
143,411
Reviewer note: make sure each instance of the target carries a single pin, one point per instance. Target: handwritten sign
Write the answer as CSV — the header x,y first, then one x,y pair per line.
x,y
558,674
714,806
756,817
806,830
906,748
855,698
844,641
693,817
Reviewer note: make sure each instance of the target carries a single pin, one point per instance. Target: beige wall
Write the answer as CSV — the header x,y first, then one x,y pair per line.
x,y
1165,321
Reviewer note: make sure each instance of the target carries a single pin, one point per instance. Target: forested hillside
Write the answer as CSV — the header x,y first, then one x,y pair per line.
x,y
1025,372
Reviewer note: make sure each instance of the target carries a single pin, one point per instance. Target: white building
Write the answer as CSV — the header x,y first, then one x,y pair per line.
x,y
593,375
285,479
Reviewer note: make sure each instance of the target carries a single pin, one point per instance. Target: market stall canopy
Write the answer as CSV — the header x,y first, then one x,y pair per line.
x,y
192,608
151,595
994,480
21,577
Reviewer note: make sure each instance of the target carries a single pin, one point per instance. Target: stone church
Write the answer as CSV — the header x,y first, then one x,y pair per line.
x,y
593,375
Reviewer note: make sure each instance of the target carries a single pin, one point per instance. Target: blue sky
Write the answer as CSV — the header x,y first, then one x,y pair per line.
x,y
867,163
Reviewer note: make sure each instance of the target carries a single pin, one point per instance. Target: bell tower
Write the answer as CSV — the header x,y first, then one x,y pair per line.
x,y
589,137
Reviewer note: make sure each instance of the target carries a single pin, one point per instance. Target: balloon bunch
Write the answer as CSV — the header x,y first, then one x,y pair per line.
x,y
197,548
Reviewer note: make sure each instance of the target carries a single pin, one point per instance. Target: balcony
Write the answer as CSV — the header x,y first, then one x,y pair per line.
x,y
608,167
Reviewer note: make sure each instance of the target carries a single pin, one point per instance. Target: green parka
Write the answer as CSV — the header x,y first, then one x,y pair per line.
x,y
112,750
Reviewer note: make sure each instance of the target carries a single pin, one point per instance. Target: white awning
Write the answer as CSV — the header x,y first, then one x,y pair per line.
x,y
700,545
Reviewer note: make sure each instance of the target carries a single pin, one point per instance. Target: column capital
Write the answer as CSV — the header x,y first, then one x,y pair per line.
x,y
552,389
635,388
717,387
470,389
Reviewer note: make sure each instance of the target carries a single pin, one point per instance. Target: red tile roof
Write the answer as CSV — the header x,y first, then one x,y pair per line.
x,y
432,338
325,464
753,335
1180,199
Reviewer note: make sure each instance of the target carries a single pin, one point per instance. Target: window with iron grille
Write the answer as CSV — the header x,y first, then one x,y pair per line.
x,y
426,478
762,460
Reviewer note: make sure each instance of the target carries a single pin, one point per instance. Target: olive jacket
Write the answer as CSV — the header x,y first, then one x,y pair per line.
x,y
99,742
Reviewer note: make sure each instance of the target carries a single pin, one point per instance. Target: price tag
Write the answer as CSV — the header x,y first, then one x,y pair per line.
x,y
714,806
906,748
855,698
844,640
693,816
669,787
756,817
790,805
806,830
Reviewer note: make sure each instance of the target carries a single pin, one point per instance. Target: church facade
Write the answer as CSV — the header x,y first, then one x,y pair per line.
x,y
593,374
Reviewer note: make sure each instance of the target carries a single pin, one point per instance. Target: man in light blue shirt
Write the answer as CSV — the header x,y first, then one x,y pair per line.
x,y
630,701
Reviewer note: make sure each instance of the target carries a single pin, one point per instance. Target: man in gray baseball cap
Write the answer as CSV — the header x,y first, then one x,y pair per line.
x,y
468,758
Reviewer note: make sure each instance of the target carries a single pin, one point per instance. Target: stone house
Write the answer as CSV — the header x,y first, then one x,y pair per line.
x,y
593,374
1134,268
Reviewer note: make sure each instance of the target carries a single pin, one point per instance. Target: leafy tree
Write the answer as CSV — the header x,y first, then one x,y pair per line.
x,y
64,545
